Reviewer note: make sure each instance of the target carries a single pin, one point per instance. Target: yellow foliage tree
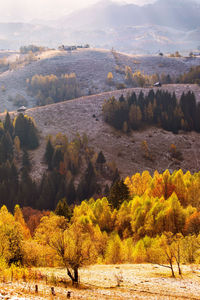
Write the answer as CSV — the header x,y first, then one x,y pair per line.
x,y
11,237
110,78
20,219
114,251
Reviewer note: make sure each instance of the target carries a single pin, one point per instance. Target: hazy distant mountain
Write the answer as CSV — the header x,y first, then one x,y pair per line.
x,y
180,14
14,35
165,25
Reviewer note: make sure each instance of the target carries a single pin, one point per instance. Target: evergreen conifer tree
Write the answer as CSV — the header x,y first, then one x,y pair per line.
x,y
87,186
6,148
106,191
32,135
121,98
20,129
101,158
26,131
26,161
57,158
8,125
49,154
62,209
71,192
119,192
116,176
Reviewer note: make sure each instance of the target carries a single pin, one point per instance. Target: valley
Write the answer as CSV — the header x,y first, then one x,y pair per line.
x,y
100,150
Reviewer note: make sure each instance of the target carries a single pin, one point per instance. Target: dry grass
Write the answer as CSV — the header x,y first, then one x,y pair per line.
x,y
91,67
140,281
76,116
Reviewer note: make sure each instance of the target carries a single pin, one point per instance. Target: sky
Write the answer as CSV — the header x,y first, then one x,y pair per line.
x,y
26,10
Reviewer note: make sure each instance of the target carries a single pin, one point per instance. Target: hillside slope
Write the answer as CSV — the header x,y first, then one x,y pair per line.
x,y
91,67
77,116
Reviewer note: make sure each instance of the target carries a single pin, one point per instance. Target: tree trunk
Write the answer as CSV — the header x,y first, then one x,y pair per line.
x,y
76,275
74,278
70,275
178,259
173,275
179,268
171,267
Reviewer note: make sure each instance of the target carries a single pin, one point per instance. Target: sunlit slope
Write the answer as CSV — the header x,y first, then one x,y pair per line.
x,y
91,67
126,150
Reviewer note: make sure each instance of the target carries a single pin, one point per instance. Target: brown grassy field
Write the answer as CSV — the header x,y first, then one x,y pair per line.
x,y
91,67
140,281
75,116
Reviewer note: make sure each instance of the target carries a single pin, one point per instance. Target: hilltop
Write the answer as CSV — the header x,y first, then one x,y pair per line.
x,y
91,67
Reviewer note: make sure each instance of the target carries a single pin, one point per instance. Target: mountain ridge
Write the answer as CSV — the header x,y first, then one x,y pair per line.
x,y
126,27
157,13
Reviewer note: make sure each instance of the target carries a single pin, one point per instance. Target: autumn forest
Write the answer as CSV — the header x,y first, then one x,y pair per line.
x,y
143,218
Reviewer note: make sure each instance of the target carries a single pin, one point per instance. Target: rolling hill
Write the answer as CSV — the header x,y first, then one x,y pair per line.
x,y
125,150
91,67
70,117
